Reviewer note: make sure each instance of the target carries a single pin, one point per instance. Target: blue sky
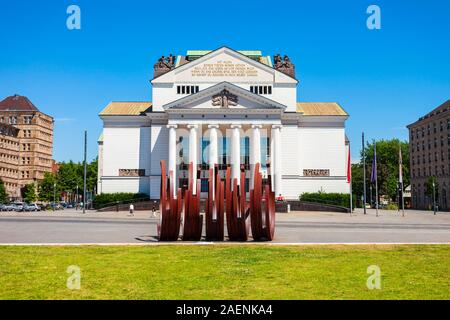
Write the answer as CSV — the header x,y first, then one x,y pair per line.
x,y
384,78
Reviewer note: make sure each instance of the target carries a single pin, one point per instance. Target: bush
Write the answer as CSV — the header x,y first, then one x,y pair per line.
x,y
109,199
336,199
391,206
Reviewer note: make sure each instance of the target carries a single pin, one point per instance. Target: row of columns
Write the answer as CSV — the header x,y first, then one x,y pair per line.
x,y
255,151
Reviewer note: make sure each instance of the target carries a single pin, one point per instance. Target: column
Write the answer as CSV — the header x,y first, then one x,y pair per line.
x,y
213,153
255,150
173,155
213,148
193,153
276,158
236,152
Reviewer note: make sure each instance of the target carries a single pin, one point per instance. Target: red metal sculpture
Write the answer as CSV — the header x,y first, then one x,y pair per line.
x,y
238,214
229,197
214,207
168,227
262,208
193,221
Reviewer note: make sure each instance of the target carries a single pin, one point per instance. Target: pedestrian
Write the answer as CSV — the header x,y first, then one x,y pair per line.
x,y
131,209
154,209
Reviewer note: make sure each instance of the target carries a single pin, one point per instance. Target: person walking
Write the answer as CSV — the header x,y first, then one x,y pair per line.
x,y
131,209
154,209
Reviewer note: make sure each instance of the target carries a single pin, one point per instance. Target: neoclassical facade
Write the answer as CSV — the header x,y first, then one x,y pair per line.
x,y
224,108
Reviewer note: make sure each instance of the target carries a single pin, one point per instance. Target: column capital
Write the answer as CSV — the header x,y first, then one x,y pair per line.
x,y
172,126
235,126
192,126
213,126
277,126
256,126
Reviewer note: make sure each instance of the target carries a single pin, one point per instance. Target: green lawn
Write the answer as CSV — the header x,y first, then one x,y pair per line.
x,y
225,272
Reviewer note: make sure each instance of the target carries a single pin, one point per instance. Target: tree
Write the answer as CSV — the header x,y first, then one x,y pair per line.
x,y
387,169
387,165
29,193
46,188
3,195
429,187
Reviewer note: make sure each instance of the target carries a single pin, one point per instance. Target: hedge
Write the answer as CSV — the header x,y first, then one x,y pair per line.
x,y
336,199
109,199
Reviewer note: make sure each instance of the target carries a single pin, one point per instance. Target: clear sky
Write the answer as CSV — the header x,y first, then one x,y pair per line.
x,y
385,79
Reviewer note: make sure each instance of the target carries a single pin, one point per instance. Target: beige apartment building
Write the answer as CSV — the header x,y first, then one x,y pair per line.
x,y
429,145
27,143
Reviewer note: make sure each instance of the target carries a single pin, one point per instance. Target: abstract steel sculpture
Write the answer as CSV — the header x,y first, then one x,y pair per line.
x,y
227,197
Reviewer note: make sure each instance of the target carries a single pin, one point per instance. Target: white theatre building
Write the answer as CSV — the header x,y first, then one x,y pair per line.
x,y
230,108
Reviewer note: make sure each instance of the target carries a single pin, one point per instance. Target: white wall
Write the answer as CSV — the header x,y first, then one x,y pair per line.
x,y
160,151
307,147
126,184
125,148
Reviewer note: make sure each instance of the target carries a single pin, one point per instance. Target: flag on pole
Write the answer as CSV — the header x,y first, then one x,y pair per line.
x,y
373,175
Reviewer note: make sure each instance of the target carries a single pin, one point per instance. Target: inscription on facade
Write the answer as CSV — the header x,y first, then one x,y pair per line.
x,y
131,172
224,68
316,172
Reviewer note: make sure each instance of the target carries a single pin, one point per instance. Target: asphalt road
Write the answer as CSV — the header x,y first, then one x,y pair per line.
x,y
298,227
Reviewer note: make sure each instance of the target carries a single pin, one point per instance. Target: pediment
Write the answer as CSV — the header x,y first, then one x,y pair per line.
x,y
223,64
224,96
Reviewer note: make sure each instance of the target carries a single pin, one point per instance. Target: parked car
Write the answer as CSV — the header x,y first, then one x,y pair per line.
x,y
17,206
8,207
2,207
56,206
32,207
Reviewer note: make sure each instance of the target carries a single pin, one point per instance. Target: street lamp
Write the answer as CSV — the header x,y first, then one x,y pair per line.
x,y
434,197
54,196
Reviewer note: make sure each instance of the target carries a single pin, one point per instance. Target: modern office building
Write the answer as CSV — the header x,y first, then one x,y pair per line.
x,y
429,147
224,107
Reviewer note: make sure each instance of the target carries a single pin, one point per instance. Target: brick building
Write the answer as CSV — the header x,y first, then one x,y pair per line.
x,y
429,145
27,143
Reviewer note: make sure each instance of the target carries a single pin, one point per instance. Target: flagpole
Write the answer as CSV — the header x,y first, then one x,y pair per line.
x,y
376,177
400,174
349,178
364,173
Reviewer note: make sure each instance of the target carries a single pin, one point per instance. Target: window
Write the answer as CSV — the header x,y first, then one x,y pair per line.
x,y
261,89
441,126
187,89
27,119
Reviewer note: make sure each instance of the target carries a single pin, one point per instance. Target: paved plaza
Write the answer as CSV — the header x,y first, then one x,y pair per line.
x,y
70,226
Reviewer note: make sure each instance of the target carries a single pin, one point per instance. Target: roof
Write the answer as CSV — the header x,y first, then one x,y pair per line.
x,y
17,103
443,108
126,108
320,109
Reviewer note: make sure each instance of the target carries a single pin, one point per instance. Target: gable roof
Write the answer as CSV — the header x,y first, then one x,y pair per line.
x,y
217,88
17,103
320,109
264,63
126,108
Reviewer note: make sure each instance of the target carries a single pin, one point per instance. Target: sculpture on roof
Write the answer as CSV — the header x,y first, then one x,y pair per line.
x,y
284,65
163,65
224,99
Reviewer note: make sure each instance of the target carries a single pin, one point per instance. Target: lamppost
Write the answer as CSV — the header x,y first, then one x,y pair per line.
x,y
76,204
54,196
434,197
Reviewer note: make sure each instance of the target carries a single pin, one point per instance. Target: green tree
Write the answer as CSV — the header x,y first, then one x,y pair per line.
x,y
46,188
429,187
387,165
3,195
29,193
